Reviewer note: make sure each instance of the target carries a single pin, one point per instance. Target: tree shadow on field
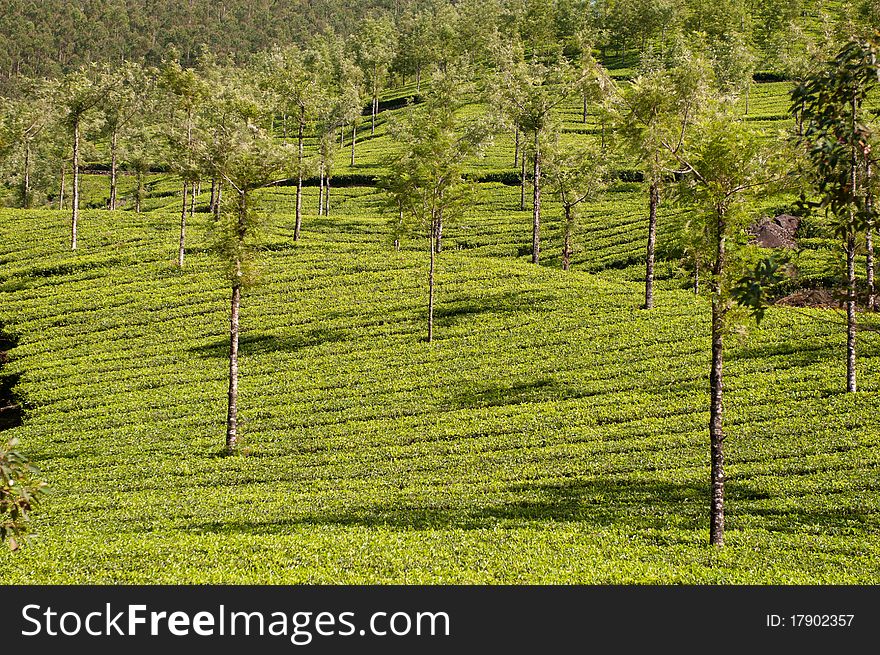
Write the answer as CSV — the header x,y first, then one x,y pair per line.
x,y
260,344
499,394
450,312
650,505
594,502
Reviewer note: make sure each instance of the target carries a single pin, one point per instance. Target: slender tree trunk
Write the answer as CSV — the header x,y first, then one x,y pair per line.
x,y
522,181
299,175
431,284
850,247
26,183
327,195
181,250
113,169
566,243
419,78
748,94
354,130
75,184
321,189
654,198
232,407
536,209
869,241
516,147
696,276
438,237
213,194
192,199
374,110
217,204
869,266
139,193
716,386
584,116
61,190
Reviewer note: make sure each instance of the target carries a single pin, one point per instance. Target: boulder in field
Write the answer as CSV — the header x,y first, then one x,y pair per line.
x,y
775,232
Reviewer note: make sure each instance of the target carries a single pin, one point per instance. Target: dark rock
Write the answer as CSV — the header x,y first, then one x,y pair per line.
x,y
775,232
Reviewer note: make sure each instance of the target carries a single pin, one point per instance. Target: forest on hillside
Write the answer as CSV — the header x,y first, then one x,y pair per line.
x,y
52,37
369,192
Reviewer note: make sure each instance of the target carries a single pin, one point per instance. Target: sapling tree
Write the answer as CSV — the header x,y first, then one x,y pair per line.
x,y
127,87
426,179
187,91
575,176
245,156
655,115
375,46
23,123
726,164
78,94
294,86
837,144
530,92
414,52
337,105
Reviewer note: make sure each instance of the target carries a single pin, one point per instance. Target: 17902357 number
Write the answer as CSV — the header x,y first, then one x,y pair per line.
x,y
822,620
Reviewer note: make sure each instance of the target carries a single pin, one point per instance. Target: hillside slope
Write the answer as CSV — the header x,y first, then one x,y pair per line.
x,y
553,432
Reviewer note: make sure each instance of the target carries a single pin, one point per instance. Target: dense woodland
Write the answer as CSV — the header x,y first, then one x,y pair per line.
x,y
228,105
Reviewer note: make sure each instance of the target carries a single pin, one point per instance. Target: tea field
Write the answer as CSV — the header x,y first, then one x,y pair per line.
x,y
553,432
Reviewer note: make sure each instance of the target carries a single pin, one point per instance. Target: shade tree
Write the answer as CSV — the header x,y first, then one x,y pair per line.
x,y
426,181
291,77
530,92
727,164
25,123
654,116
837,142
374,46
186,91
575,176
245,155
129,88
77,94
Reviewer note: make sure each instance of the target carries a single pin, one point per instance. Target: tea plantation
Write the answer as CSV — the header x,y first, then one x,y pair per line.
x,y
552,433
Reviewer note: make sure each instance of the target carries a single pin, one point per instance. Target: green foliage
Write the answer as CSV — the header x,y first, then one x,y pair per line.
x,y
524,447
577,176
20,492
658,110
838,137
426,179
752,290
549,415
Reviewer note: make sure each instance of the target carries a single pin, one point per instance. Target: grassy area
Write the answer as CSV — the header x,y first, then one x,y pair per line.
x,y
553,432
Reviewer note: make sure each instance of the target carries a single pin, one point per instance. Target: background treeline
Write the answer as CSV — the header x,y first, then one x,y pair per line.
x,y
54,36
